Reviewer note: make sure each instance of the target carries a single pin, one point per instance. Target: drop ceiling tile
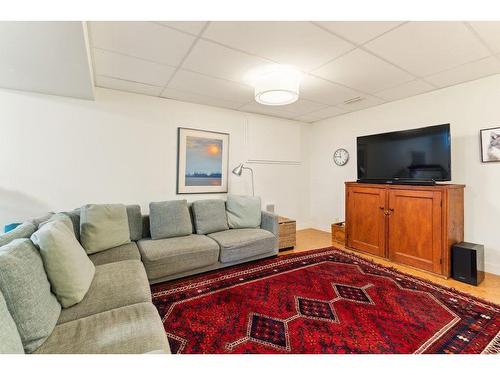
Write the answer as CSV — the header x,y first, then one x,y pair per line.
x,y
466,72
327,112
363,71
406,90
221,62
322,91
146,40
300,44
191,27
255,107
366,102
302,106
118,84
45,57
131,69
359,31
489,31
198,99
213,87
425,48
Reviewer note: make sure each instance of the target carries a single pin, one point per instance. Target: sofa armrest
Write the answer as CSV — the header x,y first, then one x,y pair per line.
x,y
269,222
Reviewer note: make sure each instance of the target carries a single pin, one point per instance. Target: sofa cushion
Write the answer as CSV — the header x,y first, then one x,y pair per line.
x,y
209,216
103,226
173,255
236,244
66,263
10,341
132,329
169,219
26,289
129,251
243,211
134,217
115,285
25,230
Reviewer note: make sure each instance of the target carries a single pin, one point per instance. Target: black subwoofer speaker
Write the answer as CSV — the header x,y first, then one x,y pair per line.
x,y
466,259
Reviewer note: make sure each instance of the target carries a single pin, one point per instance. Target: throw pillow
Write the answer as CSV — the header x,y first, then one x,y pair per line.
x,y
103,226
169,219
26,289
243,212
10,341
210,216
68,267
25,230
65,219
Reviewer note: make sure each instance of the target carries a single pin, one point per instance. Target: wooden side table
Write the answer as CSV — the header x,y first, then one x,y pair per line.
x,y
288,231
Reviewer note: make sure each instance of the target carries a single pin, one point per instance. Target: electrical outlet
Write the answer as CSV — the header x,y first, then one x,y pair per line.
x,y
270,207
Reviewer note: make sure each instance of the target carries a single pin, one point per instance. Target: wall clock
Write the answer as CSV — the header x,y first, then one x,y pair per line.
x,y
341,157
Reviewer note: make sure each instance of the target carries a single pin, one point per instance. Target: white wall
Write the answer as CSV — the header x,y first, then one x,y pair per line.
x,y
60,153
468,107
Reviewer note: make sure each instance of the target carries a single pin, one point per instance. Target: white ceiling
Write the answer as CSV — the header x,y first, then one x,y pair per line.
x,y
209,62
46,57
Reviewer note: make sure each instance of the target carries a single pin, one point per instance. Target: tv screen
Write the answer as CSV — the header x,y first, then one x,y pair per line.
x,y
417,154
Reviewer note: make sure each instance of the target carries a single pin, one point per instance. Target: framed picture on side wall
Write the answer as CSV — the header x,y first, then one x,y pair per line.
x,y
490,144
202,161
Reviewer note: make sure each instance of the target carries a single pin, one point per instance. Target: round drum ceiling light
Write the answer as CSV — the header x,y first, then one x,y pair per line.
x,y
277,87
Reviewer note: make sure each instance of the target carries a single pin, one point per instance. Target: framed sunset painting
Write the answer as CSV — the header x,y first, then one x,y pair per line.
x,y
202,161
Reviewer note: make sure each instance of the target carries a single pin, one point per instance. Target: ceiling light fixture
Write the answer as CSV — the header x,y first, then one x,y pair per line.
x,y
279,86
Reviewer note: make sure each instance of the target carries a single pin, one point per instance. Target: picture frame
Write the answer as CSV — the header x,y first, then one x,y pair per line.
x,y
490,144
202,161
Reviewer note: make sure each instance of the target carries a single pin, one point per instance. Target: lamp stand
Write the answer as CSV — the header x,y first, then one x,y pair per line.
x,y
253,186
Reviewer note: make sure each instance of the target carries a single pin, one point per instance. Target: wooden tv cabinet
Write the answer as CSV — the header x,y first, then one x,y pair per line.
x,y
411,225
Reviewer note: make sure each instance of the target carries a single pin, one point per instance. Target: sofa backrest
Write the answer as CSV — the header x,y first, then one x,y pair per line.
x,y
134,221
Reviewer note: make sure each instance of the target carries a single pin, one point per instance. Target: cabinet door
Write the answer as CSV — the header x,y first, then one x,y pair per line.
x,y
414,228
366,220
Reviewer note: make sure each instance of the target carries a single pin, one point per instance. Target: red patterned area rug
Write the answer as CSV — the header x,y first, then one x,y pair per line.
x,y
322,301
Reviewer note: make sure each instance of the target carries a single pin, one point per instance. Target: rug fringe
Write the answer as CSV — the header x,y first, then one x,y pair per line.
x,y
494,346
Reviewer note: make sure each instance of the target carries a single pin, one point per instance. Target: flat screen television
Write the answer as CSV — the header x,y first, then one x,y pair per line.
x,y
416,156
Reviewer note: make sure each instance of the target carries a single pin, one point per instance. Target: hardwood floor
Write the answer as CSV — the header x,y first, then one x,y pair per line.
x,y
489,289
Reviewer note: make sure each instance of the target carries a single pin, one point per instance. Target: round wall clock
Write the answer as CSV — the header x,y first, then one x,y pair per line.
x,y
341,157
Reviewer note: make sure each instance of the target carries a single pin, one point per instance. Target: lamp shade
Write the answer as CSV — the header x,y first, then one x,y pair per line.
x,y
238,170
277,87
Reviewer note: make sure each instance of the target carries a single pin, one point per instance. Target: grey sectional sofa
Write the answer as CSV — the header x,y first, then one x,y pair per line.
x,y
117,315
